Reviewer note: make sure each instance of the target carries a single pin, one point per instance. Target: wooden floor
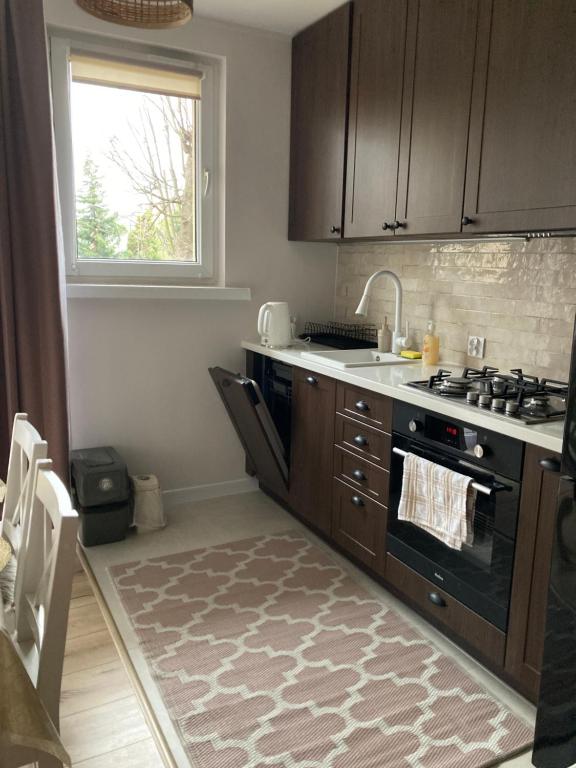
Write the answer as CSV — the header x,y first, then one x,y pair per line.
x,y
102,724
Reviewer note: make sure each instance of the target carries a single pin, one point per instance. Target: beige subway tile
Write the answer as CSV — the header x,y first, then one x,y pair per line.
x,y
555,362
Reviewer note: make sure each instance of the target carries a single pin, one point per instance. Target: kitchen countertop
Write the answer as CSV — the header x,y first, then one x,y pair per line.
x,y
389,380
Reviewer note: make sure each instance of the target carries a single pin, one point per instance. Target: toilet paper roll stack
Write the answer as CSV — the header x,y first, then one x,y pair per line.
x,y
148,507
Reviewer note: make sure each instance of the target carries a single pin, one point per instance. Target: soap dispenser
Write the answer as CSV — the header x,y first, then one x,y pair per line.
x,y
431,346
385,337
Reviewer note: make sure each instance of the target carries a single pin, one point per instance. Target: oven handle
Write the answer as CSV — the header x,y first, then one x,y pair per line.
x,y
477,487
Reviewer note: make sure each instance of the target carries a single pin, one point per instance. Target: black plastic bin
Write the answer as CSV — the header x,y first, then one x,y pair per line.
x,y
103,497
104,524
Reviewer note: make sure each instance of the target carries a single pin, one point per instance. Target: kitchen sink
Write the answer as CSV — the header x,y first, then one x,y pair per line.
x,y
355,358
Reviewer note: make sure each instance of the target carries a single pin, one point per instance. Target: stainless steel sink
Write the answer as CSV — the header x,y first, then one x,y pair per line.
x,y
355,358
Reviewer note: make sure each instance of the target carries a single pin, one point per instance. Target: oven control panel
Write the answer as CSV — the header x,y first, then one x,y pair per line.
x,y
483,447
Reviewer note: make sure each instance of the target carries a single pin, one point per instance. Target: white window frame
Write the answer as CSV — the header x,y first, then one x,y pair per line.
x,y
107,270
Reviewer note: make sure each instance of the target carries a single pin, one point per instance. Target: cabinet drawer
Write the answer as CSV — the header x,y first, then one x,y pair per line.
x,y
363,440
359,525
360,474
446,610
368,407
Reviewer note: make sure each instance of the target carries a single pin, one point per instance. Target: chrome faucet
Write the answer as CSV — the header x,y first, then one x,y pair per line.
x,y
398,341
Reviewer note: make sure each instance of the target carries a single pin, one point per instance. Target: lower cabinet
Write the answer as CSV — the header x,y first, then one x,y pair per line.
x,y
313,408
339,485
361,474
527,623
359,525
445,610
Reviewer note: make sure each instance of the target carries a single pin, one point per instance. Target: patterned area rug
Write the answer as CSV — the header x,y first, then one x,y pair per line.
x,y
269,655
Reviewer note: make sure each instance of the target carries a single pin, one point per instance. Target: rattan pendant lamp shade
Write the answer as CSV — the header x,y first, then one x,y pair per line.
x,y
151,14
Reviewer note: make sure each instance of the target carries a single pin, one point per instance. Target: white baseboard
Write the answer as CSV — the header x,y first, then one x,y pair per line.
x,y
178,496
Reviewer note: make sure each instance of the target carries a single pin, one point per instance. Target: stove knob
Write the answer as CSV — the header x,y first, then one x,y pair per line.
x,y
480,451
415,426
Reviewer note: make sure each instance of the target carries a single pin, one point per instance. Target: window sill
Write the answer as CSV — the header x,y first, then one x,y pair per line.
x,y
194,292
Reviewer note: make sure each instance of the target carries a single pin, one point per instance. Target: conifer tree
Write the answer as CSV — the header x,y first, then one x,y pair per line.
x,y
98,230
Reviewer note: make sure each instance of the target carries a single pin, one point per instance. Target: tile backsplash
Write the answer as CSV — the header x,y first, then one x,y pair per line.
x,y
521,296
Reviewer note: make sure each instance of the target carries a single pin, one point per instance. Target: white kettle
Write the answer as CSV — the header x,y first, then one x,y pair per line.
x,y
274,324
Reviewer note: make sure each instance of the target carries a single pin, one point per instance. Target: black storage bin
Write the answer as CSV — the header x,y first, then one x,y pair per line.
x,y
103,495
104,524
99,476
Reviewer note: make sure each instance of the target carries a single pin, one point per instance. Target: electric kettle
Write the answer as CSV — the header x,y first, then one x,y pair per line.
x,y
274,324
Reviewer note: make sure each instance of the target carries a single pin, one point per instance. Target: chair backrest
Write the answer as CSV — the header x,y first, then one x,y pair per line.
x,y
26,448
46,573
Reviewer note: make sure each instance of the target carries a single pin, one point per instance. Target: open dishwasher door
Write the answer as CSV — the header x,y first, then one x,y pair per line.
x,y
255,428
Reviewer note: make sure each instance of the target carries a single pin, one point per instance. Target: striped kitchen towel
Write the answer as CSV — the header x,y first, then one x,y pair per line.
x,y
438,500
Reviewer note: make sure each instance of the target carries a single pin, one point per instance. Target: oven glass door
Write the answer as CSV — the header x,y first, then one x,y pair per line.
x,y
479,575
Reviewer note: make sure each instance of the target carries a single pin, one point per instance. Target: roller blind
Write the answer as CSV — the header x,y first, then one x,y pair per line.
x,y
135,77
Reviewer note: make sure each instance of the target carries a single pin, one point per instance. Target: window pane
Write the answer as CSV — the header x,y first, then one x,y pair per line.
x,y
136,172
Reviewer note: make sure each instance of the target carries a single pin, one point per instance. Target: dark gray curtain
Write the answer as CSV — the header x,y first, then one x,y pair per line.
x,y
32,354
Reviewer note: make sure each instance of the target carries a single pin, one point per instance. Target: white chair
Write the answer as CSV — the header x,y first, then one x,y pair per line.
x,y
26,448
45,577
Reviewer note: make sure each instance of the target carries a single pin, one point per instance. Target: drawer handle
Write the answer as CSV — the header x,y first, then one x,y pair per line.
x,y
362,405
357,501
360,440
357,474
437,599
312,380
550,464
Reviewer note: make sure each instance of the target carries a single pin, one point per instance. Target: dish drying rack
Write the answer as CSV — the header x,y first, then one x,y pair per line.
x,y
342,335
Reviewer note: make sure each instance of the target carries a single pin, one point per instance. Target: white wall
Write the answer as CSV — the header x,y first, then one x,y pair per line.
x,y
138,368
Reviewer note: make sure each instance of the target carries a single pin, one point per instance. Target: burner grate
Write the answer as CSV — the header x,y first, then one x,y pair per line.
x,y
512,395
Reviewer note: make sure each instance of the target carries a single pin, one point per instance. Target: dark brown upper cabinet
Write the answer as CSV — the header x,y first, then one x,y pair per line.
x,y
320,72
461,118
378,49
411,86
440,46
522,151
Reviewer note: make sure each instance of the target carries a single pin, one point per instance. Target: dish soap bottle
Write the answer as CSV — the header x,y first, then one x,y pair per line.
x,y
385,338
431,346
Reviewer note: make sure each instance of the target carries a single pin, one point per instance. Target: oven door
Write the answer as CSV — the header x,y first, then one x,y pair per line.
x,y
480,575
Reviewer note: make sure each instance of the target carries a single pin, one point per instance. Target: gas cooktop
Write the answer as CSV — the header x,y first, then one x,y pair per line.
x,y
514,395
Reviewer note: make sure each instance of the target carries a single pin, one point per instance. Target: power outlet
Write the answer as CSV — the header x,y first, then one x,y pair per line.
x,y
476,345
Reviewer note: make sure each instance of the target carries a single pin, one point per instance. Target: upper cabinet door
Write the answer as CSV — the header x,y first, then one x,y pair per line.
x,y
320,68
441,41
379,40
522,151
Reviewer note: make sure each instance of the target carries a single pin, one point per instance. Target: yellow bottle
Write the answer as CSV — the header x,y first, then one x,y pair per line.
x,y
431,346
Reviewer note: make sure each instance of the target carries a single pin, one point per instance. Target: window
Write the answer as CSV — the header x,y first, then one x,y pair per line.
x,y
135,144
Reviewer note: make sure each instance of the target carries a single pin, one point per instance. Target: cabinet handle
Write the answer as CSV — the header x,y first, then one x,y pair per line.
x,y
386,226
357,501
550,464
361,440
397,225
312,380
362,405
466,220
334,230
357,474
437,599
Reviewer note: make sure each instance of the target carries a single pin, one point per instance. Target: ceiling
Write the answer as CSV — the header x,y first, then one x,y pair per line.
x,y
286,16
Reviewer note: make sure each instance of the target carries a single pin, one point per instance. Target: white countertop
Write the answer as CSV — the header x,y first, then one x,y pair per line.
x,y
389,380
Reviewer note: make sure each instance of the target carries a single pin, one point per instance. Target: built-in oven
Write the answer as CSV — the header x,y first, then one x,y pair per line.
x,y
480,574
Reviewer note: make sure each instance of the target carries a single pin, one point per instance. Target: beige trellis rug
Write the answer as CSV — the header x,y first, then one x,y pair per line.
x,y
269,655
